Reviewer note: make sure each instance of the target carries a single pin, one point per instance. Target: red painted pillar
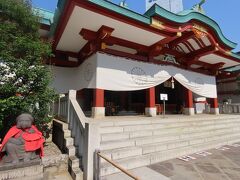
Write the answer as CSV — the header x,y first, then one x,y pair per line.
x,y
98,109
98,98
188,99
150,109
189,109
214,103
150,97
214,106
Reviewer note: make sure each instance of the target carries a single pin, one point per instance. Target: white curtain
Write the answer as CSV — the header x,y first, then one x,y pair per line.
x,y
120,74
65,78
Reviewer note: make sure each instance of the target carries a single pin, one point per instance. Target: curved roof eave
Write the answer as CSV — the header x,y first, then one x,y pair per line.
x,y
159,11
146,18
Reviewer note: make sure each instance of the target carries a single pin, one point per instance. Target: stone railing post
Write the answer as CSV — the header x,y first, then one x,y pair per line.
x,y
71,95
91,143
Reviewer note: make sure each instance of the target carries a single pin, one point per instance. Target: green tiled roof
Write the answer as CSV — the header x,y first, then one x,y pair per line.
x,y
186,16
46,16
155,10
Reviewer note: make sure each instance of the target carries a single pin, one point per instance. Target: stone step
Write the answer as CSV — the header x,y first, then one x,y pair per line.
x,y
69,141
168,145
117,144
151,158
128,121
123,152
191,129
62,125
71,151
151,148
148,133
147,127
67,133
76,173
73,162
161,139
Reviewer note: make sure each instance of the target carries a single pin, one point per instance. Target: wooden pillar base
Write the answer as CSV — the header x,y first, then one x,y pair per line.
x,y
151,112
189,111
98,112
214,111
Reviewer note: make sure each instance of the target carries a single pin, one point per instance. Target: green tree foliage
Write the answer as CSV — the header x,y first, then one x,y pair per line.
x,y
24,79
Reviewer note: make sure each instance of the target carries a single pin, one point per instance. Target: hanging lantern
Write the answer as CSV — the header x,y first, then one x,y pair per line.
x,y
172,81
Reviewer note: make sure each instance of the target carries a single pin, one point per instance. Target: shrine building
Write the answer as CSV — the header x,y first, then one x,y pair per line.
x,y
122,62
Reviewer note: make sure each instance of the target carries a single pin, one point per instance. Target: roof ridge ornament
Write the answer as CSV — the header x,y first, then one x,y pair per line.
x,y
123,4
198,7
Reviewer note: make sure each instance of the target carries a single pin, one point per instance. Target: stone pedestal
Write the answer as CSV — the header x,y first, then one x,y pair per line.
x,y
214,111
189,111
98,112
30,170
152,112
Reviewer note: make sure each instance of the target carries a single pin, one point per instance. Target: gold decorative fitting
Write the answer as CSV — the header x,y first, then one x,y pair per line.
x,y
199,34
103,46
228,53
179,34
157,24
199,31
200,28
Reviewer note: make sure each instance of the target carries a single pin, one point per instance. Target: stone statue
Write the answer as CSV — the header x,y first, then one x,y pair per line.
x,y
23,142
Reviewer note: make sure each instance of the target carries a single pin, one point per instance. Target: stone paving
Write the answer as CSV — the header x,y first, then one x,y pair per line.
x,y
220,165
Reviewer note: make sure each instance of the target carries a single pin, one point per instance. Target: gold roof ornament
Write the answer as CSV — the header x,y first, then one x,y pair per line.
x,y
123,4
199,31
157,24
198,7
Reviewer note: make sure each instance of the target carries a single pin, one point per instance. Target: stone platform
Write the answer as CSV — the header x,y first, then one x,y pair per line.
x,y
138,141
54,165
30,170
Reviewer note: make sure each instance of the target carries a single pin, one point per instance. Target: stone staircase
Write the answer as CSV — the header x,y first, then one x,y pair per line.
x,y
142,141
66,143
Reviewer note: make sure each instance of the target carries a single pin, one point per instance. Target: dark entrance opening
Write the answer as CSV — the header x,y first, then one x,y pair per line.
x,y
175,102
125,102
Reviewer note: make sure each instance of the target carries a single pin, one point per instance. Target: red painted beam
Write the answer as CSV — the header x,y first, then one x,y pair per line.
x,y
45,27
104,32
227,75
94,40
153,50
91,35
192,57
208,65
228,92
62,63
68,53
184,37
124,54
145,59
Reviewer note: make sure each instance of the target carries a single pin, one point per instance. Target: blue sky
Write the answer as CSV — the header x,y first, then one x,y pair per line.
x,y
225,13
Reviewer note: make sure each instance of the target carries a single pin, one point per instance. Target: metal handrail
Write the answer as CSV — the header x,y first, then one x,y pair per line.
x,y
117,166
